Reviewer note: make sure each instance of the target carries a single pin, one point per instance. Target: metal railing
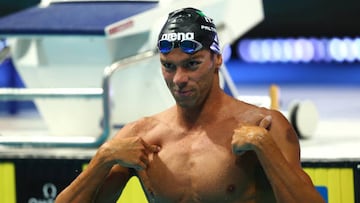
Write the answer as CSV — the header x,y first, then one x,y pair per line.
x,y
89,93
4,50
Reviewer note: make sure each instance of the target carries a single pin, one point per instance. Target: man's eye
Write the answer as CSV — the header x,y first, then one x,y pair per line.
x,y
192,65
169,66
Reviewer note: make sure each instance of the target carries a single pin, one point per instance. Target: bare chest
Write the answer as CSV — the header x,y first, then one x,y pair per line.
x,y
199,168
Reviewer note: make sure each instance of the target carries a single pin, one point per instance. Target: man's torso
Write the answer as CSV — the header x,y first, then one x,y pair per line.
x,y
197,165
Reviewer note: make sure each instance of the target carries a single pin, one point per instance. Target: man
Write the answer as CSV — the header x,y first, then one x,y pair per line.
x,y
209,147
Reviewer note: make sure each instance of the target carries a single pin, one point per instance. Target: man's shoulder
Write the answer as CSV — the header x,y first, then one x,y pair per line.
x,y
243,106
252,113
152,120
142,123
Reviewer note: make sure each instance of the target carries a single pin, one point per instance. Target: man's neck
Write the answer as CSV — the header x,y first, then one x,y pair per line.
x,y
201,114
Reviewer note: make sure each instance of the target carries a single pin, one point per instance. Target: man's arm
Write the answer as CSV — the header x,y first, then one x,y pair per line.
x,y
98,181
278,151
108,171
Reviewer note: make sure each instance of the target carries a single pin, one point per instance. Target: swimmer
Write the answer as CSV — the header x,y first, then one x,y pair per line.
x,y
209,147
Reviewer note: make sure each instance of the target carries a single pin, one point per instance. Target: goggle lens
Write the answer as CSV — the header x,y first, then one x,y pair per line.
x,y
190,46
165,46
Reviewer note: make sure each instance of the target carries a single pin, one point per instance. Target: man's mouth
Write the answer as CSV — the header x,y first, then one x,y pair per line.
x,y
183,93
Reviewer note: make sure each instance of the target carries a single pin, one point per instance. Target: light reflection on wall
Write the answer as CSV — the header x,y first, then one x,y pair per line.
x,y
299,50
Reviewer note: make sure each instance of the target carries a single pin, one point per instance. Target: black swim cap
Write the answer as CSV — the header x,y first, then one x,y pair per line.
x,y
190,23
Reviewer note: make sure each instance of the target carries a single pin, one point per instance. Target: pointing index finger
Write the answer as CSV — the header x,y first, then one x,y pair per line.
x,y
151,148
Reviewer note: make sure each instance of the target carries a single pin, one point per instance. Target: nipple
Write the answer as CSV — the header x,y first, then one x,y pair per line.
x,y
231,188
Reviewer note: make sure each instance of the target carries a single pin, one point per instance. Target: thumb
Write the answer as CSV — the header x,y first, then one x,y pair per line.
x,y
266,122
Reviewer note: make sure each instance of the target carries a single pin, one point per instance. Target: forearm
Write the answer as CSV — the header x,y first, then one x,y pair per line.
x,y
84,188
108,171
289,183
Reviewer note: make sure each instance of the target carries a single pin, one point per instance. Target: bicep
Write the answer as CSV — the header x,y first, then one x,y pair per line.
x,y
285,138
288,142
115,182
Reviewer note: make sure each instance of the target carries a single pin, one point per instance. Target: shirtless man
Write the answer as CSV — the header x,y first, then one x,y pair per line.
x,y
209,147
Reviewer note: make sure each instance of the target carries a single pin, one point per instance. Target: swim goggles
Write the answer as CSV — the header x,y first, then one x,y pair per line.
x,y
188,46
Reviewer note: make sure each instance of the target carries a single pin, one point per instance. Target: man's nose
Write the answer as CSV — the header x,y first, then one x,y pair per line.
x,y
181,77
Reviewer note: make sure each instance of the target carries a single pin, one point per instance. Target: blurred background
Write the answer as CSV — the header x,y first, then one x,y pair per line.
x,y
311,49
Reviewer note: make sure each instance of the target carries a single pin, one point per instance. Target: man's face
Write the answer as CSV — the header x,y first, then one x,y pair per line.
x,y
189,77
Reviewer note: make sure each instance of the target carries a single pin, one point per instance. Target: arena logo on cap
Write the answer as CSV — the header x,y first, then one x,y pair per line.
x,y
179,36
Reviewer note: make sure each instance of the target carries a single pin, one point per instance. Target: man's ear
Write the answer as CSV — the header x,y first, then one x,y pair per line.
x,y
218,60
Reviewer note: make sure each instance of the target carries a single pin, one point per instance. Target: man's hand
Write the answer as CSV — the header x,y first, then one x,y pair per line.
x,y
131,152
248,137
